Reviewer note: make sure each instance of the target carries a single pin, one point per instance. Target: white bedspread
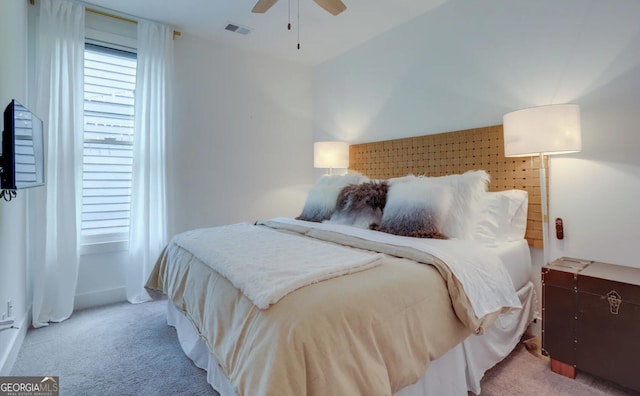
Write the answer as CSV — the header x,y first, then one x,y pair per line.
x,y
258,261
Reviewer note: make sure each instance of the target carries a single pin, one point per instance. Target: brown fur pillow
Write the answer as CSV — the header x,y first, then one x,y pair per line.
x,y
361,205
410,230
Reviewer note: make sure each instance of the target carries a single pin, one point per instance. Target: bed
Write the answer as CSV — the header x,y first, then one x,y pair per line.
x,y
407,316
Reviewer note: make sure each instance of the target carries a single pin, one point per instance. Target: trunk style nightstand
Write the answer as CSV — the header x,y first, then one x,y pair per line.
x,y
591,319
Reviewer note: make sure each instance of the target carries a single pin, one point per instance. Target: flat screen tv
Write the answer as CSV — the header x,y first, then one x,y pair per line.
x,y
22,160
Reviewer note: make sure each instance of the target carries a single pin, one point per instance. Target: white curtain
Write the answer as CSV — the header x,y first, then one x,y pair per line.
x,y
59,101
152,118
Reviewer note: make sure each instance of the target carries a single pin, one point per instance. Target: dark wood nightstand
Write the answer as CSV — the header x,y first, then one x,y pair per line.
x,y
591,319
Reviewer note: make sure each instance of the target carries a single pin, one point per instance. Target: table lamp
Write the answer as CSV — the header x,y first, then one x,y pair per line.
x,y
331,155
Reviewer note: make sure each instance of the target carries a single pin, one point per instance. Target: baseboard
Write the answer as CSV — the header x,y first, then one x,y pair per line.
x,y
8,359
101,297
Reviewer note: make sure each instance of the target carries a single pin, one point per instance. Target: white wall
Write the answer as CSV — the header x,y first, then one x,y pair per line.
x,y
242,148
466,63
13,215
101,279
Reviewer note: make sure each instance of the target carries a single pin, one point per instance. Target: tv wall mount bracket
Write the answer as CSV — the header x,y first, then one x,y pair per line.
x,y
7,195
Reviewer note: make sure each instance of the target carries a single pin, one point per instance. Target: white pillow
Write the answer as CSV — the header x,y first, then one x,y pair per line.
x,y
321,200
416,208
502,217
467,190
403,179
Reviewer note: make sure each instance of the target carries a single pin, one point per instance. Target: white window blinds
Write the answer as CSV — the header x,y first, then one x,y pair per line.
x,y
109,83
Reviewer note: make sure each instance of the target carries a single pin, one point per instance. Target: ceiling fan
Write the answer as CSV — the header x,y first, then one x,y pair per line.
x,y
332,6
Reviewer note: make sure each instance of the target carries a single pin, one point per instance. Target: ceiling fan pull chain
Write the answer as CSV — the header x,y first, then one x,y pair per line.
x,y
289,24
298,25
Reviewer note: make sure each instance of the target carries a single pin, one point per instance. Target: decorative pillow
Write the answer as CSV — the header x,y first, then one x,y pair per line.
x,y
467,189
360,205
416,208
502,217
321,200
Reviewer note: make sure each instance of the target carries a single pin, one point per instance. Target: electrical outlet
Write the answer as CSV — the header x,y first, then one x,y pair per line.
x,y
10,307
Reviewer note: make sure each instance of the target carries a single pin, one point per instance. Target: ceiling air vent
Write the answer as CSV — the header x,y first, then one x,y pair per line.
x,y
237,29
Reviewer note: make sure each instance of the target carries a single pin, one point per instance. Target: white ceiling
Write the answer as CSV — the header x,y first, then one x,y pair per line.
x,y
322,36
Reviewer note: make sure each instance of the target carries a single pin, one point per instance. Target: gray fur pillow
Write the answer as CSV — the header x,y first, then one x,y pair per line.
x,y
416,209
360,205
467,190
321,200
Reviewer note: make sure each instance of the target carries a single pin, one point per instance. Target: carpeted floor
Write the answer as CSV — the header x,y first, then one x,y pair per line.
x,y
126,349
119,349
521,373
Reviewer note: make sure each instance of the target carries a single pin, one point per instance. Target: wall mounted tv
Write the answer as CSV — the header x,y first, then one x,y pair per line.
x,y
22,159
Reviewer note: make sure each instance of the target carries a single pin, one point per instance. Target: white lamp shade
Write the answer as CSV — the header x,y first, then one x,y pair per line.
x,y
553,129
331,155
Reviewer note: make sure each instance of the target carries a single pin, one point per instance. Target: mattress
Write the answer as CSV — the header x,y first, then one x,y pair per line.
x,y
516,258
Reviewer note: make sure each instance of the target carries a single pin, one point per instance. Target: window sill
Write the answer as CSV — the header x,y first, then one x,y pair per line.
x,y
103,247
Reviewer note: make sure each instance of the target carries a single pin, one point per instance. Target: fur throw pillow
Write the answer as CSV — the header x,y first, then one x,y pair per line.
x,y
321,200
361,205
416,209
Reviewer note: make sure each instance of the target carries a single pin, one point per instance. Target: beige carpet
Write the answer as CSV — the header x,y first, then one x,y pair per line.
x,y
125,349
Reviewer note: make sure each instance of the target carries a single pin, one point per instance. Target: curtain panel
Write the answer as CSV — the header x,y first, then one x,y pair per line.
x,y
59,62
152,117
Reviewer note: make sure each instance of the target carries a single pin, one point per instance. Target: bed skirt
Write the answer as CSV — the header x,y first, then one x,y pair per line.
x,y
459,370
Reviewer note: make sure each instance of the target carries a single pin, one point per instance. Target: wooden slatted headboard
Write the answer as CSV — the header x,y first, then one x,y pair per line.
x,y
451,153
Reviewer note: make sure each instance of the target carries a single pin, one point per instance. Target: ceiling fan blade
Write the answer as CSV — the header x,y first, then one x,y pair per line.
x,y
333,6
263,6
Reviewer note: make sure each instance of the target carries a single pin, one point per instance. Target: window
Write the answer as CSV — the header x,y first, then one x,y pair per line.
x,y
109,84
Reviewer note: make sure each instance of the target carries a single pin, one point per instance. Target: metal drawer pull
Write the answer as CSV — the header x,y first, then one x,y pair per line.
x,y
614,302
